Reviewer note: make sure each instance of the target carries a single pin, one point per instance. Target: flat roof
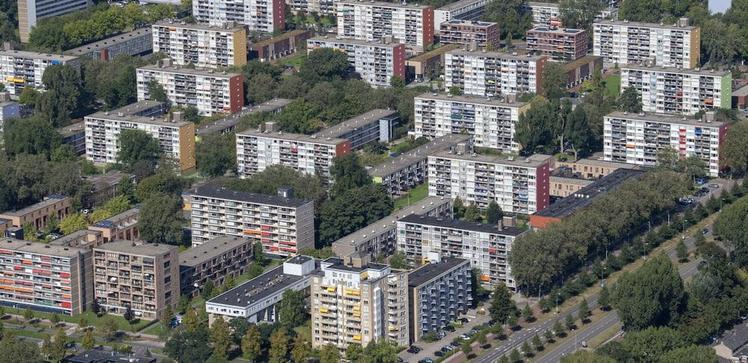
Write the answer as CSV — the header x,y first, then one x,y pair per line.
x,y
272,40
124,117
292,137
420,153
462,225
65,240
355,123
429,271
548,29
697,71
185,70
336,263
538,3
227,27
570,180
113,220
221,192
477,23
604,163
532,161
108,42
49,200
72,129
741,91
500,55
584,60
585,196
137,248
385,4
460,4
478,100
234,119
110,178
39,247
434,53
208,250
257,288
643,25
37,55
329,39
663,118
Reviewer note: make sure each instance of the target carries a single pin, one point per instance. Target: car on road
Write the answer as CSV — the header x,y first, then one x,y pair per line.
x,y
439,353
714,186
426,360
449,328
584,344
414,349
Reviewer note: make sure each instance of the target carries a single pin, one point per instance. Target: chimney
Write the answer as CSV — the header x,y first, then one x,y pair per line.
x,y
269,126
508,221
176,116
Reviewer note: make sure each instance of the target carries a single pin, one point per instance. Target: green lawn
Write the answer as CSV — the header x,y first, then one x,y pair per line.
x,y
414,195
91,319
294,60
613,85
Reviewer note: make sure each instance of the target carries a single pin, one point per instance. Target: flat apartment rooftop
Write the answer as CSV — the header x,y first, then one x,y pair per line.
x,y
474,23
220,192
542,4
137,248
585,196
228,27
209,250
532,161
663,118
462,225
103,180
372,43
234,119
429,271
382,4
65,240
355,123
459,4
477,100
498,55
336,263
49,200
556,30
438,52
72,129
697,71
190,71
108,42
279,38
257,289
37,55
280,135
420,153
112,221
644,25
39,248
122,117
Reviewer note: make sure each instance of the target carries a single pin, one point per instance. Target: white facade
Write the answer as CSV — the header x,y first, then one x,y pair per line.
x,y
258,15
200,45
461,10
623,42
491,74
492,123
679,91
19,69
374,21
544,13
377,63
638,139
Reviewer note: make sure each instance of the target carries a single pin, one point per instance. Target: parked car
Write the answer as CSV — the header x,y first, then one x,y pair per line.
x,y
426,360
414,349
714,186
463,320
449,328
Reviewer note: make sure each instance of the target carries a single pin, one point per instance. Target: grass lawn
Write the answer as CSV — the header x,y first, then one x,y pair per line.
x,y
613,85
414,195
294,60
90,317
155,329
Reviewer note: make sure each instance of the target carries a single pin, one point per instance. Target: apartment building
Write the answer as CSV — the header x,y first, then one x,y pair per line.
x,y
412,25
142,277
491,122
438,293
120,227
379,239
213,261
20,69
265,16
31,11
228,123
358,304
45,277
481,34
209,91
486,246
591,169
283,224
559,44
39,215
134,43
9,109
564,186
377,125
639,138
176,137
86,239
257,299
679,91
73,135
544,14
429,65
104,186
276,47
256,150
582,69
624,42
519,186
491,74
201,45
460,10
375,61
409,169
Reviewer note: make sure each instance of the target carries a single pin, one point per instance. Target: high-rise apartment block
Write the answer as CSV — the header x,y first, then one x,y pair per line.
x,y
491,122
486,246
560,44
201,45
377,125
215,261
681,91
481,34
142,277
375,61
283,224
103,129
20,69
624,42
640,138
438,293
265,16
45,277
518,185
460,10
209,91
358,304
412,25
136,42
31,11
544,14
491,74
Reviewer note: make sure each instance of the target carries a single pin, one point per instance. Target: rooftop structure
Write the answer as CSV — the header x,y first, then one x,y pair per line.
x,y
136,42
229,123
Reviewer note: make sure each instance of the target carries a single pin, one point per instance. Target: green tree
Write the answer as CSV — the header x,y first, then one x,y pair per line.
x,y
73,223
735,149
514,356
569,321
329,354
502,307
20,350
527,314
88,342
398,260
34,135
682,252
584,311
586,356
537,343
351,210
251,348
604,299
260,88
650,296
630,101
56,350
716,43
161,219
354,352
291,310
29,96
216,155
397,82
111,330
553,81
301,349
527,349
278,346
189,346
324,64
650,344
208,291
579,14
548,335
191,320
117,205
220,336
690,354
455,91
472,213
273,177
494,212
138,146
348,173
28,315
61,97
163,182
466,347
157,92
514,14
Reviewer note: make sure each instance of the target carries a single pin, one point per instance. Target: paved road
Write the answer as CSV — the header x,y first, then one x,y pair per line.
x,y
428,349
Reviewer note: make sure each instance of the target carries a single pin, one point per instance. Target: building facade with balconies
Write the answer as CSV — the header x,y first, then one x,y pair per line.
x,y
459,10
213,261
265,16
482,34
491,74
20,69
201,45
560,44
120,227
412,25
375,61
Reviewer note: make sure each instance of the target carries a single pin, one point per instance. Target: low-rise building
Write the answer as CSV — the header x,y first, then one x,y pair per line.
x,y
518,186
214,261
134,43
141,277
20,69
377,125
283,45
582,69
491,74
490,122
201,45
358,304
459,10
560,44
639,139
256,300
105,187
481,34
39,215
120,227
102,355
592,169
409,169
85,238
486,246
438,293
9,109
564,186
429,65
228,123
283,224
732,346
45,277
376,62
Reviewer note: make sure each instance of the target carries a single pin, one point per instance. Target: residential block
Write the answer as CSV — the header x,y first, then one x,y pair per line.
x,y
31,11
265,16
39,215
201,45
20,69
459,10
481,34
375,61
213,261
134,43
491,74
560,44
412,25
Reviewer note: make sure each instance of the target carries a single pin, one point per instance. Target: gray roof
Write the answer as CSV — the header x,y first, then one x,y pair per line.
x,y
698,72
113,220
459,4
108,42
471,99
49,200
137,248
191,71
228,27
740,92
105,180
354,123
65,240
462,225
211,249
737,337
40,248
279,135
385,4
37,55
547,29
420,153
336,263
234,119
663,118
532,161
474,23
539,4
334,40
499,55
133,113
257,289
429,271
72,129
643,25
220,192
